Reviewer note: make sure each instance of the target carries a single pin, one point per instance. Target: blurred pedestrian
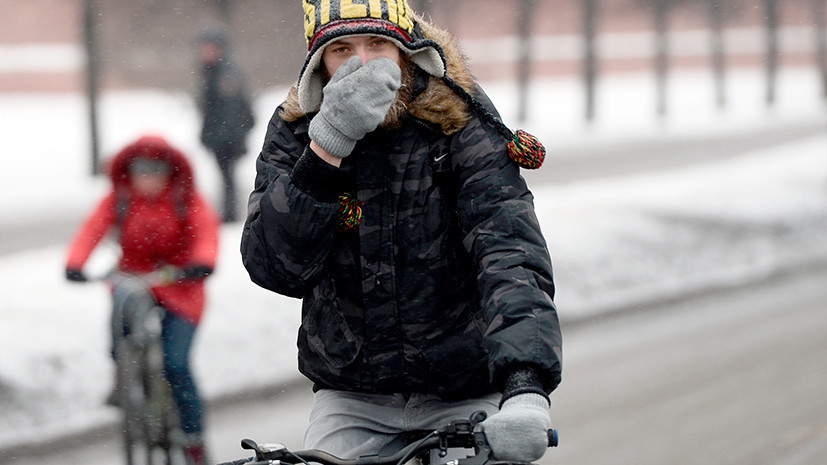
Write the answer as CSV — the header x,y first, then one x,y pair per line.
x,y
161,222
226,112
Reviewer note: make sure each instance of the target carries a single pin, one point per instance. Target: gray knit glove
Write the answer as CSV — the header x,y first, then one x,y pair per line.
x,y
355,102
519,431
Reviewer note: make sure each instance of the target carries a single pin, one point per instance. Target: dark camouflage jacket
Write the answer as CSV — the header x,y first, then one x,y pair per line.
x,y
447,282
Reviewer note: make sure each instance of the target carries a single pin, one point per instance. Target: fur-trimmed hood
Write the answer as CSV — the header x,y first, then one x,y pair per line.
x,y
438,104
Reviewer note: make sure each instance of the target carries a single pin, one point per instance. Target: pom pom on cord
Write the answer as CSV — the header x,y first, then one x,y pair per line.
x,y
526,150
350,213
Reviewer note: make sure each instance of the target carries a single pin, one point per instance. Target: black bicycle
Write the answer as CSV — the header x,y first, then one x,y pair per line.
x,y
151,432
458,434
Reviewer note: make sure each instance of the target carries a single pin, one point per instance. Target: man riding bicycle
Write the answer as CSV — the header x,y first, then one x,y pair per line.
x,y
162,222
388,197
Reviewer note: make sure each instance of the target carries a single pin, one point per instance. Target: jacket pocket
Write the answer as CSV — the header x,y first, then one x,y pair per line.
x,y
328,334
457,358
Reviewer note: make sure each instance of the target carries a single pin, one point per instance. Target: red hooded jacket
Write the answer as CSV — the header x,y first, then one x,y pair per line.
x,y
178,228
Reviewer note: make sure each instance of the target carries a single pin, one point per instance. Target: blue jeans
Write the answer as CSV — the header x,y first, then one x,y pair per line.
x,y
177,336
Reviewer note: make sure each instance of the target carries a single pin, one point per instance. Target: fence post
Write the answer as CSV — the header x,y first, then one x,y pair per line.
x,y
821,43
718,55
524,53
590,56
661,54
423,7
771,14
92,72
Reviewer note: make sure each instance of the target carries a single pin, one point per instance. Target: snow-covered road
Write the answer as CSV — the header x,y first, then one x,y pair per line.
x,y
615,242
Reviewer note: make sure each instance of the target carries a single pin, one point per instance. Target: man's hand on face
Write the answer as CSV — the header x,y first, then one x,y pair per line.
x,y
356,101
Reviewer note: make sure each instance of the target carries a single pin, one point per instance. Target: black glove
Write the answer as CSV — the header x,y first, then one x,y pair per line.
x,y
75,276
195,272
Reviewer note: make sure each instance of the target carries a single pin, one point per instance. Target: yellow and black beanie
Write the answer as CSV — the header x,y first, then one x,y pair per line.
x,y
326,21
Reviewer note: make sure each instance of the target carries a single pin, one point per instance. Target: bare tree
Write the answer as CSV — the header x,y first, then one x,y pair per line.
x,y
720,11
660,11
772,17
716,24
92,79
423,7
524,22
660,15
821,43
589,55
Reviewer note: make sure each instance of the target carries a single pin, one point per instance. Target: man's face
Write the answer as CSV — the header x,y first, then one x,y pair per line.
x,y
365,46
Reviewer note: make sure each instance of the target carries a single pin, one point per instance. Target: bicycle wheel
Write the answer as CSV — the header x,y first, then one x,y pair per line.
x,y
163,437
131,400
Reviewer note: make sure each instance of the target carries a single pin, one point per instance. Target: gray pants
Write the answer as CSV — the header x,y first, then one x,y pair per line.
x,y
349,424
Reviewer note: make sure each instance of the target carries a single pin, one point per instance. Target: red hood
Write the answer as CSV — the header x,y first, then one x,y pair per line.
x,y
154,148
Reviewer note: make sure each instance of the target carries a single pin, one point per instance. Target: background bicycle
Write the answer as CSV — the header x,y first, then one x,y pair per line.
x,y
159,222
151,433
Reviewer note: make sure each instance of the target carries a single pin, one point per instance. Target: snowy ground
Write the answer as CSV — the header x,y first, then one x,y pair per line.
x,y
615,243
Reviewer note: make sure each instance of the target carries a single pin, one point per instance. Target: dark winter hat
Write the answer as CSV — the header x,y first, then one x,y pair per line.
x,y
326,21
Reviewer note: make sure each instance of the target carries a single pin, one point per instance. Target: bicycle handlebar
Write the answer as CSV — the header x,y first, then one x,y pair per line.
x,y
158,277
457,434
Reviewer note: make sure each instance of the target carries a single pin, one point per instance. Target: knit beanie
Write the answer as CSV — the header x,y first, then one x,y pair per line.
x,y
326,21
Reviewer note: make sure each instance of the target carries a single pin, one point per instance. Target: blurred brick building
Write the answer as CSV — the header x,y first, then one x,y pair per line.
x,y
150,43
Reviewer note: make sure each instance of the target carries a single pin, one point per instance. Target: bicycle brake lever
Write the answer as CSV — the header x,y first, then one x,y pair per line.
x,y
478,417
264,451
482,451
249,444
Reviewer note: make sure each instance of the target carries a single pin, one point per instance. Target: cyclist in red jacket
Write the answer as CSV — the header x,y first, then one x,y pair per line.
x,y
161,221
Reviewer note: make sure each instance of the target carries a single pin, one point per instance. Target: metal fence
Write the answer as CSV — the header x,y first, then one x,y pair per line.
x,y
151,43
